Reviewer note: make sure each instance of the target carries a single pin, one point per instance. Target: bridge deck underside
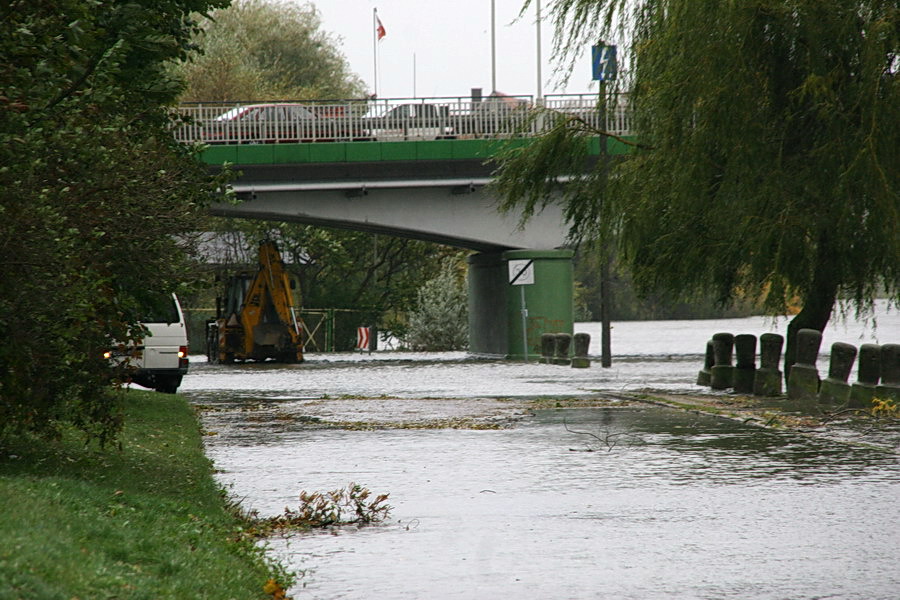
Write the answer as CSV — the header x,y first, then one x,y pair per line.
x,y
454,214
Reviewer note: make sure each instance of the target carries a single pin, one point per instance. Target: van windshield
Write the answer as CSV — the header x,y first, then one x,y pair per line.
x,y
160,309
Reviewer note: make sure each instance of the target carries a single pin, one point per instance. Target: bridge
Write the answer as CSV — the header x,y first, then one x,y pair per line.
x,y
415,168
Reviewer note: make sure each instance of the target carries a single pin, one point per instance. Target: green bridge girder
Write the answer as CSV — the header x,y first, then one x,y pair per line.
x,y
367,152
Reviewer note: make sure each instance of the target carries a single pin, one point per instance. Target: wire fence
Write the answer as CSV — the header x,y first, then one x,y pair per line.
x,y
324,330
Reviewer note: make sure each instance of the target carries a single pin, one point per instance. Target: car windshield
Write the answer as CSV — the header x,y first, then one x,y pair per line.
x,y
231,114
267,112
300,112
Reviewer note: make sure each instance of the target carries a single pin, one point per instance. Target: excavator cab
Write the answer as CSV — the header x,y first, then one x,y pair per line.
x,y
257,320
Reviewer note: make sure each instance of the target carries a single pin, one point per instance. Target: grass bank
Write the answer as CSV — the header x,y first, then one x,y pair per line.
x,y
144,521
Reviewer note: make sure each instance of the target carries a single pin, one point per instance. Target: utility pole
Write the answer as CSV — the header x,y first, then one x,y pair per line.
x,y
493,46
540,84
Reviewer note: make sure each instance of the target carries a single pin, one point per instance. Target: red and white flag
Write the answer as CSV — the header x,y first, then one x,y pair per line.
x,y
379,29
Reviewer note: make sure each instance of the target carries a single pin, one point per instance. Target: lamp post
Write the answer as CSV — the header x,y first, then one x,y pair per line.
x,y
540,91
493,46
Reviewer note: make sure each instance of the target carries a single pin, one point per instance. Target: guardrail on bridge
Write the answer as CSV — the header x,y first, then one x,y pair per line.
x,y
397,119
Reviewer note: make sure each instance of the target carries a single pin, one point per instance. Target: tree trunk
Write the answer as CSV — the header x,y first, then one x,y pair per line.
x,y
818,305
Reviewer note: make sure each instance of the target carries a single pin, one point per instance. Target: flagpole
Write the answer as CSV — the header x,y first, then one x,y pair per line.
x,y
375,47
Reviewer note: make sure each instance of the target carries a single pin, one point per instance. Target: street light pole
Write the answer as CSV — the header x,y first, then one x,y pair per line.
x,y
493,46
540,91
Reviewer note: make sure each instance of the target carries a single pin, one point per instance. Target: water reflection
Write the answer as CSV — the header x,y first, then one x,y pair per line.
x,y
727,452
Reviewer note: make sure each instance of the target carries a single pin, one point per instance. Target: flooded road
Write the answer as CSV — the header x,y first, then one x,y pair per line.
x,y
494,496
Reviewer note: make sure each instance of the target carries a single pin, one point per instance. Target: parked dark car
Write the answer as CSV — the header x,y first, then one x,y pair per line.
x,y
498,114
412,122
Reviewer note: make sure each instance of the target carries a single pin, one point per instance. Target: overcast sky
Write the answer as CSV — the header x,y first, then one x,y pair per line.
x,y
451,42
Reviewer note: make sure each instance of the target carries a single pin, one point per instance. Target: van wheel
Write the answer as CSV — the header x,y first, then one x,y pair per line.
x,y
168,384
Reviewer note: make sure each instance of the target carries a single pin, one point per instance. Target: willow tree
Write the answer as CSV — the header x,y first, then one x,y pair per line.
x,y
766,162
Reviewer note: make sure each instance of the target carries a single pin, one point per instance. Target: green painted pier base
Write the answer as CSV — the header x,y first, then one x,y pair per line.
x,y
495,306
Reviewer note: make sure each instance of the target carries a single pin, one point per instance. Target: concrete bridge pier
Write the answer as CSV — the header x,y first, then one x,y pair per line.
x,y
496,318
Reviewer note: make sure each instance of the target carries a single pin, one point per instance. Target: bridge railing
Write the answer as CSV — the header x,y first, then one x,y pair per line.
x,y
395,119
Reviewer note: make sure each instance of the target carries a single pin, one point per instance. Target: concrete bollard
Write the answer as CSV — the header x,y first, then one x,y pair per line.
x,y
803,382
889,388
548,346
722,372
834,388
704,377
767,381
582,346
561,349
745,367
862,392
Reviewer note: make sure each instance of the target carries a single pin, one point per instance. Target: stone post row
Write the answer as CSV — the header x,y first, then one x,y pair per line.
x,y
744,377
555,349
875,363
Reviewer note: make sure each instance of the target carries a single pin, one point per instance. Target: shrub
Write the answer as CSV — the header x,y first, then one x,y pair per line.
x,y
440,320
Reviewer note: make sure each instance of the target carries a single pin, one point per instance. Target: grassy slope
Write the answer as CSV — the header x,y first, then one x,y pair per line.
x,y
144,522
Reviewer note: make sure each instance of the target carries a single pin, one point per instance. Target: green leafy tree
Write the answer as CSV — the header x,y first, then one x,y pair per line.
x,y
767,158
94,193
440,319
267,50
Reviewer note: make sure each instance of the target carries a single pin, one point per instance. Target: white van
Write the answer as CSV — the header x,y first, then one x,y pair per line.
x,y
161,359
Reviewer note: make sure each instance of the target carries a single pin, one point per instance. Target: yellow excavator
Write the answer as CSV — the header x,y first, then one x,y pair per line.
x,y
258,321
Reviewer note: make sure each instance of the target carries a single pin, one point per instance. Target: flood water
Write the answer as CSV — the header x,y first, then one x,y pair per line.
x,y
654,503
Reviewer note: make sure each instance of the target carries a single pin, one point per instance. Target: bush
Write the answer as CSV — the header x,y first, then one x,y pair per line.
x,y
440,321
97,201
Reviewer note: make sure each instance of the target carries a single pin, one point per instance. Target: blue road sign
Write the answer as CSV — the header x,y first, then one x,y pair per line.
x,y
603,62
